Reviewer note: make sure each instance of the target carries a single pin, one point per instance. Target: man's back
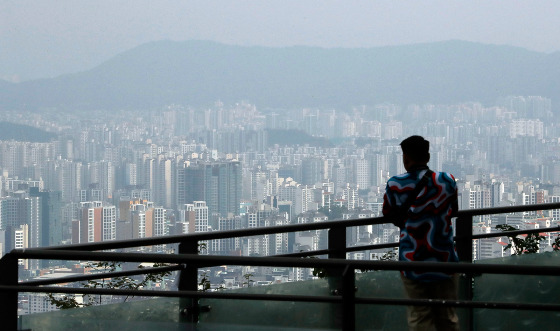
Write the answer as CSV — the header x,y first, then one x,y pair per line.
x,y
427,234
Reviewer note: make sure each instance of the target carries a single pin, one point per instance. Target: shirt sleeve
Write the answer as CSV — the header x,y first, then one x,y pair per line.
x,y
387,206
455,203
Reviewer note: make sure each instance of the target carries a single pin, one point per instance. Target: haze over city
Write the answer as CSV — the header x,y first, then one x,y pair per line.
x,y
139,119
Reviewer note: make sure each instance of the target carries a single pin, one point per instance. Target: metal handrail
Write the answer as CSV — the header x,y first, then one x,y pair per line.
x,y
101,275
193,261
508,209
274,261
514,233
287,297
117,244
290,298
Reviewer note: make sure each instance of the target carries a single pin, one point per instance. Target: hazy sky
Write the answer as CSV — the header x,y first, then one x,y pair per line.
x,y
48,38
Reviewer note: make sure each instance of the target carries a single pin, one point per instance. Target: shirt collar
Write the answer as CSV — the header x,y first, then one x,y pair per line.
x,y
418,168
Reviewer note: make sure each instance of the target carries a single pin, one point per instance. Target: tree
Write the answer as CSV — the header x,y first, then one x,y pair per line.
x,y
124,282
556,244
528,245
248,279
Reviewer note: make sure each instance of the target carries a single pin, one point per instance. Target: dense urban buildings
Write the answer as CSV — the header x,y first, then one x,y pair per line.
x,y
178,170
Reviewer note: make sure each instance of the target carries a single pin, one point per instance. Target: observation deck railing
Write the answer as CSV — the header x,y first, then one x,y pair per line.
x,y
188,261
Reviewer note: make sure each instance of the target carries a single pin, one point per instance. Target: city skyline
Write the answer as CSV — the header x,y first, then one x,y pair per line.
x,y
179,170
224,157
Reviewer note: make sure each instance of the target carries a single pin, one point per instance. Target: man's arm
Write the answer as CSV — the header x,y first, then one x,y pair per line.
x,y
392,213
455,201
387,206
454,207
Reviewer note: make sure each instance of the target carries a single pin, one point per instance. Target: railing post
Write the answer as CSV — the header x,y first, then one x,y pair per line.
x,y
188,281
337,242
337,245
348,302
464,238
9,299
465,252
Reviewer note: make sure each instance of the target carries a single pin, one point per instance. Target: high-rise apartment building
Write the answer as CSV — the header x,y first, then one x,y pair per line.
x,y
139,218
49,214
350,195
554,213
39,213
13,212
21,241
278,242
528,106
526,128
227,246
479,197
98,223
196,216
312,170
217,183
363,172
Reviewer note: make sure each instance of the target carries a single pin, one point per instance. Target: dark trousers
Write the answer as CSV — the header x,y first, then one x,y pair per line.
x,y
424,318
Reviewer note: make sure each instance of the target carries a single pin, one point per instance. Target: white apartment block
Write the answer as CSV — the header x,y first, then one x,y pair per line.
x,y
363,173
200,210
526,128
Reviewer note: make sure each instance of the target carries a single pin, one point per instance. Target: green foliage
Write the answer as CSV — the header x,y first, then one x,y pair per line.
x,y
248,279
387,256
70,301
202,247
320,272
21,132
556,244
154,277
204,283
317,272
527,245
64,302
294,137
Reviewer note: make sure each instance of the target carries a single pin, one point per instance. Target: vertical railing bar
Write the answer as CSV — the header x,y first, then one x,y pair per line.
x,y
337,242
337,246
188,281
464,250
348,299
9,299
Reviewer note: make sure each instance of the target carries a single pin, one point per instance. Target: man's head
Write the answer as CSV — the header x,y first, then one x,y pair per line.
x,y
416,152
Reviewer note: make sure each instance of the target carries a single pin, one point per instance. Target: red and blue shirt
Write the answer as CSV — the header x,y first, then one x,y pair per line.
x,y
428,232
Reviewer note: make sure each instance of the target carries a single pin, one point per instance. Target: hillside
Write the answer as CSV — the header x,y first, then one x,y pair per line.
x,y
20,132
198,73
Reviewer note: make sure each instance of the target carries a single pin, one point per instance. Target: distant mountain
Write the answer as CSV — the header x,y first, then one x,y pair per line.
x,y
4,84
199,73
20,132
293,137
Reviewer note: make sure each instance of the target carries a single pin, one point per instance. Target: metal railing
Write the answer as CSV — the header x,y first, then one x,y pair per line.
x,y
188,261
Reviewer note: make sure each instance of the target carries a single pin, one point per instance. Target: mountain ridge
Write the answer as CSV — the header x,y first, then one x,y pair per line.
x,y
197,73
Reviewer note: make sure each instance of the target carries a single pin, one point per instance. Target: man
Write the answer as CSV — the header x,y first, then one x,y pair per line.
x,y
426,233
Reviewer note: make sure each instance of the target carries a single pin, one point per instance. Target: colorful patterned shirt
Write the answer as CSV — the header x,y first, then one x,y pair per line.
x,y
428,233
